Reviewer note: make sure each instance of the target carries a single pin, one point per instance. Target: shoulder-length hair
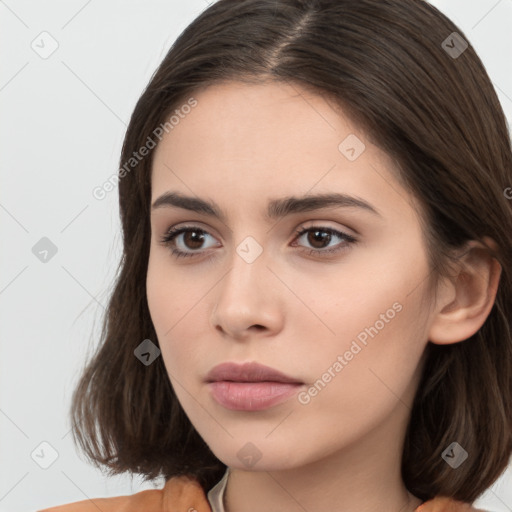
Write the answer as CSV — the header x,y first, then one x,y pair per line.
x,y
402,72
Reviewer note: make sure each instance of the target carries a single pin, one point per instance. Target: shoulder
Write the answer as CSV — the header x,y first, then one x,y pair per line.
x,y
178,492
118,504
445,504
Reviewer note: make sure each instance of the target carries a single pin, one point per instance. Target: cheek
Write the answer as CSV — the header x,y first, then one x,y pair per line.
x,y
169,294
159,296
174,305
370,295
375,322
346,400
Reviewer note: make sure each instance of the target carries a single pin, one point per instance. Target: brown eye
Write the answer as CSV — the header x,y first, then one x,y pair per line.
x,y
185,241
320,237
193,239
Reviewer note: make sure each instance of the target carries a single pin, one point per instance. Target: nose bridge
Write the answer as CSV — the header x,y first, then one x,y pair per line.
x,y
248,268
244,296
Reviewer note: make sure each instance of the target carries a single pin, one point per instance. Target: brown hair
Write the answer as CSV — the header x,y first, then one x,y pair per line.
x,y
388,65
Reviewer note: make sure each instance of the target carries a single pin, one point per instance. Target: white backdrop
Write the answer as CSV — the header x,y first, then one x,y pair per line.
x,y
72,73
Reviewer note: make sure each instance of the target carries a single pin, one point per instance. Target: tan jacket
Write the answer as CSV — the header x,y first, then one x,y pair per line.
x,y
185,494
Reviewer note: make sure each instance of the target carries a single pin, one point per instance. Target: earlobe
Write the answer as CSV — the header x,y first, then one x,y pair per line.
x,y
471,295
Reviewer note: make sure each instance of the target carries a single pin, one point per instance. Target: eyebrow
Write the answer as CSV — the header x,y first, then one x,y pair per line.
x,y
276,208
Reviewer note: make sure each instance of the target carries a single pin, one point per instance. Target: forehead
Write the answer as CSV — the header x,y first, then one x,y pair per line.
x,y
264,140
235,119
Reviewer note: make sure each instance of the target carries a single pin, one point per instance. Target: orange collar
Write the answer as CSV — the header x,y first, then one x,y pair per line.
x,y
185,494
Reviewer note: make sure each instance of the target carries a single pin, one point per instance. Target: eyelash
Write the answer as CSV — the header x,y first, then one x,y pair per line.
x,y
168,239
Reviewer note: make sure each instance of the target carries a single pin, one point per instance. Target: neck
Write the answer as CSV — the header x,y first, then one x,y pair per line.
x,y
279,490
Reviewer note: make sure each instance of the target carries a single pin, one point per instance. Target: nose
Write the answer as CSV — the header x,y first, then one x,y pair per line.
x,y
248,300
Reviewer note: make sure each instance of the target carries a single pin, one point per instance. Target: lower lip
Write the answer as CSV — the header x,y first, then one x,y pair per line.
x,y
251,396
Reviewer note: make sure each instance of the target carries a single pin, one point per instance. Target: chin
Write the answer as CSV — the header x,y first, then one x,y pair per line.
x,y
260,456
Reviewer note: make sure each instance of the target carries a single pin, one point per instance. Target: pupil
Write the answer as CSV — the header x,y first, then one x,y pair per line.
x,y
315,238
193,237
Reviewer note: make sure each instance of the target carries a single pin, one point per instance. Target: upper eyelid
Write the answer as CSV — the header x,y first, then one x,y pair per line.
x,y
323,215
297,232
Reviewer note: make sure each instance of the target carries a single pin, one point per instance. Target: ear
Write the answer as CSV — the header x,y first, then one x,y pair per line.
x,y
465,300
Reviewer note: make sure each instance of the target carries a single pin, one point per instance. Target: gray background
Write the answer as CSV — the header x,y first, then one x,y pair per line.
x,y
63,121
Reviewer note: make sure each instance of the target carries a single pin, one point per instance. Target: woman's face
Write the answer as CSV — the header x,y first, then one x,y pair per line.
x,y
345,319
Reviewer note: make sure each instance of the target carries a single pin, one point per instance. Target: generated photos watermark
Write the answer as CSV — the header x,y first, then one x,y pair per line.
x,y
305,397
101,191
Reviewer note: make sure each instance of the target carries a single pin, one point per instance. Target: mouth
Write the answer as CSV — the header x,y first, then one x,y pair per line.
x,y
250,386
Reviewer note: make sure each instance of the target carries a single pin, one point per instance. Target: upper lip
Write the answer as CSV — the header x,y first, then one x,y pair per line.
x,y
247,372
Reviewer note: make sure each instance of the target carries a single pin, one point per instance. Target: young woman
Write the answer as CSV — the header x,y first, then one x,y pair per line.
x,y
313,309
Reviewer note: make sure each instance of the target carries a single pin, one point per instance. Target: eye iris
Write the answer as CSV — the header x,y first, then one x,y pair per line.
x,y
193,237
318,236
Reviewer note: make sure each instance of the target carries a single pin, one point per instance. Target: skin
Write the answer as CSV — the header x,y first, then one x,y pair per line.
x,y
241,146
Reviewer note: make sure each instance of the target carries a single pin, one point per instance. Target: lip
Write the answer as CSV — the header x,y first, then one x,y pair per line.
x,y
248,372
251,396
250,386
